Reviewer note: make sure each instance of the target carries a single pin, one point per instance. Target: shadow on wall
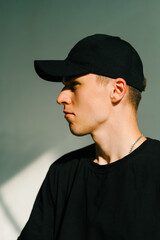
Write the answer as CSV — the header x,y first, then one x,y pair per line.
x,y
18,193
8,219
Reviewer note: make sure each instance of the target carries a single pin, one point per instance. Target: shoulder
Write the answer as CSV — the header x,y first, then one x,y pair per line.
x,y
151,150
147,155
72,159
152,155
63,171
153,146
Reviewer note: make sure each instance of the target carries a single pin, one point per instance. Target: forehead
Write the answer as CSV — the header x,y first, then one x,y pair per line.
x,y
87,78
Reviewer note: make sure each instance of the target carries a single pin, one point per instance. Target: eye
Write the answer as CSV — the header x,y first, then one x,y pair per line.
x,y
71,85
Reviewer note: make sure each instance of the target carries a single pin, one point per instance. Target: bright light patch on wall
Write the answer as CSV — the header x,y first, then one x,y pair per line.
x,y
17,196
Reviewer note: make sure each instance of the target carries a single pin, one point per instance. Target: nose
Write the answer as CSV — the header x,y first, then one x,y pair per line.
x,y
64,97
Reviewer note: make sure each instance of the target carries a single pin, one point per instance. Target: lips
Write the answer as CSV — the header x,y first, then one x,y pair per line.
x,y
68,114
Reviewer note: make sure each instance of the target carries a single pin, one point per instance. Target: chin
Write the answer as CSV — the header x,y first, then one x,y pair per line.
x,y
78,132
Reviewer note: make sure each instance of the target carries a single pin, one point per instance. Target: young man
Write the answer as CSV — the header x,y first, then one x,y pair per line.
x,y
111,189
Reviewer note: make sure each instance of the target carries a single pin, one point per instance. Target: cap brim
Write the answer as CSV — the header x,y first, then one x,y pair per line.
x,y
55,70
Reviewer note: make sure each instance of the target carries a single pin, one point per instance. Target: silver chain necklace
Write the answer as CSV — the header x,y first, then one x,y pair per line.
x,y
135,144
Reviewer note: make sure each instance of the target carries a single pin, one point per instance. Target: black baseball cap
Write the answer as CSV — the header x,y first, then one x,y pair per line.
x,y
100,54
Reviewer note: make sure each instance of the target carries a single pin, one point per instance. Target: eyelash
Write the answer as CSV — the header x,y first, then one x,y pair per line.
x,y
71,85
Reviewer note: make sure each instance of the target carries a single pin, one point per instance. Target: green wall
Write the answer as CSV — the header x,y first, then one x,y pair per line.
x,y
31,121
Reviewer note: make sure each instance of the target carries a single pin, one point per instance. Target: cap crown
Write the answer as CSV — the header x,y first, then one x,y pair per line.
x,y
109,56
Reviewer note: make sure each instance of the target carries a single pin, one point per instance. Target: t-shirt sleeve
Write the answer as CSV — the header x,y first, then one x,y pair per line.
x,y
40,225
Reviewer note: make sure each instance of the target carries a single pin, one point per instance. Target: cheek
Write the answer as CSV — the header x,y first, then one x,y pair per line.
x,y
91,103
94,109
101,108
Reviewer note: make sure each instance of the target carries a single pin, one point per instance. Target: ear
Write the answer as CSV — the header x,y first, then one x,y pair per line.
x,y
119,90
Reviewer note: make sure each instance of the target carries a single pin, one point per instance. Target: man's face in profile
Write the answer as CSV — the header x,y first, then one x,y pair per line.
x,y
86,103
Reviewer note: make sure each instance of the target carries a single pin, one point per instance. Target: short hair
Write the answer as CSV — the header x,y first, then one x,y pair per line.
x,y
134,95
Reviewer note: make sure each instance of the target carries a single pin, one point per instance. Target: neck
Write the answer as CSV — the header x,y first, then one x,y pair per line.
x,y
114,140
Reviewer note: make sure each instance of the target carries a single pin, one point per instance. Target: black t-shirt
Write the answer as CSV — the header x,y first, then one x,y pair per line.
x,y
82,200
